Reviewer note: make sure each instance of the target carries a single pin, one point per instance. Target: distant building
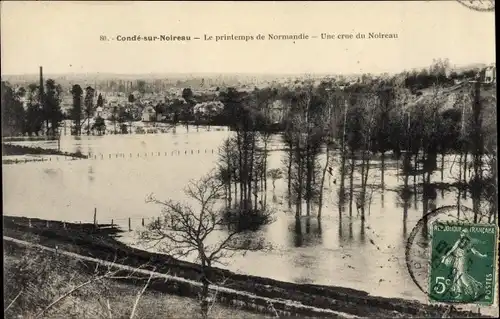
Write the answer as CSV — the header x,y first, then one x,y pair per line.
x,y
99,112
276,112
148,114
490,74
208,108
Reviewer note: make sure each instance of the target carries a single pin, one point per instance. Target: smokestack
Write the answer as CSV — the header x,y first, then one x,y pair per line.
x,y
41,85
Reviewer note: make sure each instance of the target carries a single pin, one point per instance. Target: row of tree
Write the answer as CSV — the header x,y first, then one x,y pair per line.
x,y
31,110
325,129
358,123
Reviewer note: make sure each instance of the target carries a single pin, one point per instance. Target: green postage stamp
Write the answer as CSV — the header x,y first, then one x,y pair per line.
x,y
463,263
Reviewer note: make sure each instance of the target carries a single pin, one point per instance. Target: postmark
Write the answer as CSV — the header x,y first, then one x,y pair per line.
x,y
479,5
425,259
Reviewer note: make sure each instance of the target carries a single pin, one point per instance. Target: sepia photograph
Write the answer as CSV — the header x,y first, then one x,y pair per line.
x,y
226,159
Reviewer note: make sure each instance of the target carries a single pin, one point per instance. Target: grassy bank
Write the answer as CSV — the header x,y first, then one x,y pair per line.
x,y
11,149
35,279
85,239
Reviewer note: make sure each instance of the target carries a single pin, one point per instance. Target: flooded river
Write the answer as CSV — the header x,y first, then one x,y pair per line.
x,y
338,250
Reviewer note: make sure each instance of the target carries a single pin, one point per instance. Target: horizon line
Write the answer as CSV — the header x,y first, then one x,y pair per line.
x,y
235,72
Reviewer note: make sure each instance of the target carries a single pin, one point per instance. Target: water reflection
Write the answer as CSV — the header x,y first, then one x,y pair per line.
x,y
91,173
307,232
309,249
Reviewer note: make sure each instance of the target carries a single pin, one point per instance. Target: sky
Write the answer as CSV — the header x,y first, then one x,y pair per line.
x,y
63,37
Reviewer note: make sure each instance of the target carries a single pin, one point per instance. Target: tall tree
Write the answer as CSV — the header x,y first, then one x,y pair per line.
x,y
141,86
76,111
89,105
12,111
131,98
187,94
34,112
100,101
52,107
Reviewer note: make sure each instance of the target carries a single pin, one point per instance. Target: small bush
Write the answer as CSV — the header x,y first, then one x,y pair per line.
x,y
251,219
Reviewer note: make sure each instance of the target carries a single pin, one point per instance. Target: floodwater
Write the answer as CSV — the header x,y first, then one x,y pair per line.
x,y
339,249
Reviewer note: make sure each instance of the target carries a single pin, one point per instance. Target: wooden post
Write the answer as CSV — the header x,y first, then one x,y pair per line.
x,y
112,223
142,221
64,224
29,222
129,225
95,216
47,224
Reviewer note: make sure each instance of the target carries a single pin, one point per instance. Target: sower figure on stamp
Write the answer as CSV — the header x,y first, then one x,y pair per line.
x,y
463,284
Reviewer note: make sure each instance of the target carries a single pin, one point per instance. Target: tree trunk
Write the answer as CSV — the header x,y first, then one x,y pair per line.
x,y
351,181
382,181
322,189
442,166
205,293
308,180
289,170
251,168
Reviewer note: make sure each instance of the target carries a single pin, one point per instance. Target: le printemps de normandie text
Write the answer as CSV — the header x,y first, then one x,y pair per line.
x,y
246,38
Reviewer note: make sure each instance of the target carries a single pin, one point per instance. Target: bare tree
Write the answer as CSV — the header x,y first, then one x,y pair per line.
x,y
275,174
183,230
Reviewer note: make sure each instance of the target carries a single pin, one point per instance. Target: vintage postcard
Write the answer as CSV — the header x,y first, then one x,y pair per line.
x,y
227,159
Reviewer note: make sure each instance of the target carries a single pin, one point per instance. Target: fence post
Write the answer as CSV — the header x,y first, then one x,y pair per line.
x,y
112,223
47,224
29,222
64,224
129,225
95,216
143,221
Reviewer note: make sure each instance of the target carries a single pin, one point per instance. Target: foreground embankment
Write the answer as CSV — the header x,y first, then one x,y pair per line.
x,y
98,242
49,283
